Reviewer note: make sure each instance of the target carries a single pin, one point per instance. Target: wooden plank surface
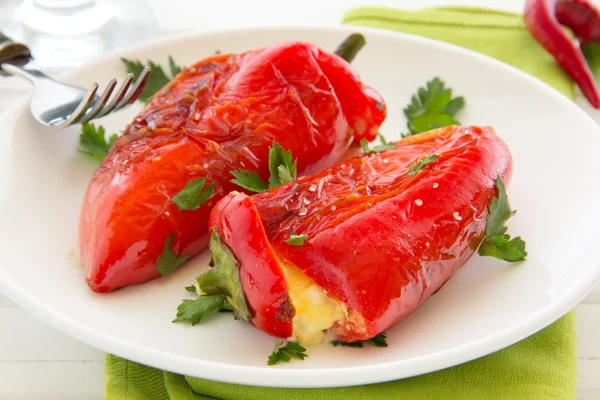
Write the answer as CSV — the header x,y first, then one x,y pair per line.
x,y
39,362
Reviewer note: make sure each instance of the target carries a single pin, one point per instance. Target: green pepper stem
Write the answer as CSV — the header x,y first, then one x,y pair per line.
x,y
224,278
350,47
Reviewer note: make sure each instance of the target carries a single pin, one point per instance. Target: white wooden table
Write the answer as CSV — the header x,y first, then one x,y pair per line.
x,y
39,362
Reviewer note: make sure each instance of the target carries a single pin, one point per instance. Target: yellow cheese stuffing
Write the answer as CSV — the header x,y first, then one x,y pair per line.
x,y
316,311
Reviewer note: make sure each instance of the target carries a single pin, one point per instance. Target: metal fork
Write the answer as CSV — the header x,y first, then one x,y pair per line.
x,y
58,105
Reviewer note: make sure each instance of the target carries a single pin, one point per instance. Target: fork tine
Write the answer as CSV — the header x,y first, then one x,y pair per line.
x,y
104,106
112,104
91,114
137,89
80,110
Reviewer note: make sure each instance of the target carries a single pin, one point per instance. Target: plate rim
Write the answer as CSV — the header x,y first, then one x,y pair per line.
x,y
299,378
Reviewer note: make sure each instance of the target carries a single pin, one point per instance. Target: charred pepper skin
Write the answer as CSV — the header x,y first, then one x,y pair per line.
x,y
220,114
380,241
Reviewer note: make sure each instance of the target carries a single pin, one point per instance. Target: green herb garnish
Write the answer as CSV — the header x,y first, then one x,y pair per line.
x,y
418,165
285,353
220,288
281,168
499,212
337,343
296,240
497,243
191,197
191,289
92,140
158,77
377,341
194,311
385,145
175,69
169,261
432,107
249,180
504,248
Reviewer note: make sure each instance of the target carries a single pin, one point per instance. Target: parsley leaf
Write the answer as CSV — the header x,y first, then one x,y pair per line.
x,y
249,180
377,341
169,261
92,140
385,145
418,165
285,353
432,107
337,343
497,243
191,289
282,169
191,197
194,311
296,240
158,77
503,248
499,212
175,69
365,145
224,278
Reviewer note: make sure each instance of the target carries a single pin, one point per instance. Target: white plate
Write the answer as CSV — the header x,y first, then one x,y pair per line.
x,y
488,305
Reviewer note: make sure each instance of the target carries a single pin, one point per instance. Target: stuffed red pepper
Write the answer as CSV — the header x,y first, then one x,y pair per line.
x,y
147,206
350,251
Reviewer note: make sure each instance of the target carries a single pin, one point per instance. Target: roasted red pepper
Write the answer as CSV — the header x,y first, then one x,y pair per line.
x,y
220,114
379,241
544,18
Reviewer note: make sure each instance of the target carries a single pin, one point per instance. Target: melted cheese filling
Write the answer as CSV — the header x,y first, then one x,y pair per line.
x,y
316,311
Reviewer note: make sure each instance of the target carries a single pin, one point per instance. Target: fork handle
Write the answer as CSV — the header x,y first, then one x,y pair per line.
x,y
15,59
11,50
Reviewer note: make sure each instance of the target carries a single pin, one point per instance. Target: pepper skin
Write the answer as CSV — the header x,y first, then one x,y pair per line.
x,y
220,114
379,241
544,19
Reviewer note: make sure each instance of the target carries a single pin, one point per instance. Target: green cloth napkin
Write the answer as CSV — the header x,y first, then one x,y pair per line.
x,y
542,366
498,34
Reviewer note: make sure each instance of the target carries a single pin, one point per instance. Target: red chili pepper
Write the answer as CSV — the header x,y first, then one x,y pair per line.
x,y
379,241
220,114
544,18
